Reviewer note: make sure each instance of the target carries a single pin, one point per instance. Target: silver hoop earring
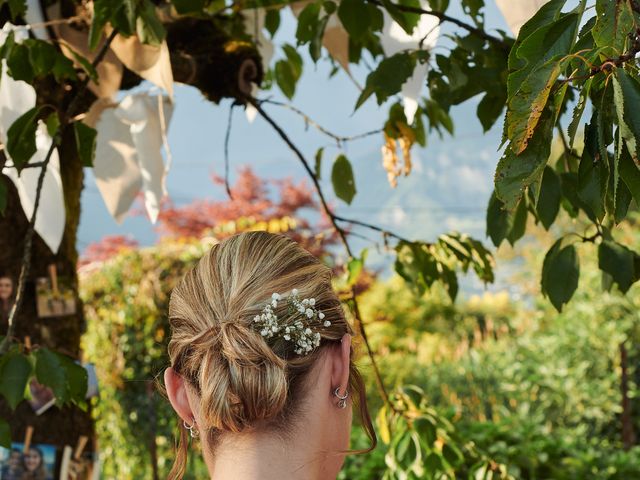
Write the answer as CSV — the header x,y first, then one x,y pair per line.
x,y
342,399
193,431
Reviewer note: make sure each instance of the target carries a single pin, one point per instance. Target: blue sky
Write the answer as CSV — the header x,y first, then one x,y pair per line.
x,y
447,190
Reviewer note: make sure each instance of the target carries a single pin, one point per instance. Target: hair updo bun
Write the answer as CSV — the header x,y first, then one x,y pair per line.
x,y
245,380
251,380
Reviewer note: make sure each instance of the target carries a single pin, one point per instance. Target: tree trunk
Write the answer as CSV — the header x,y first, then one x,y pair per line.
x,y
211,62
56,426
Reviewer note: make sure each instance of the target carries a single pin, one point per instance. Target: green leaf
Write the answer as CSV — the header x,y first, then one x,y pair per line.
x,y
294,59
18,8
519,222
388,78
626,96
622,202
593,173
148,26
355,267
63,69
21,138
618,261
354,15
630,174
185,7
318,163
307,23
101,13
86,65
85,137
490,108
4,192
578,111
526,106
5,434
285,78
406,20
514,172
272,20
614,23
560,273
416,265
42,56
498,220
287,72
548,203
19,65
552,40
315,46
66,378
53,124
342,179
15,370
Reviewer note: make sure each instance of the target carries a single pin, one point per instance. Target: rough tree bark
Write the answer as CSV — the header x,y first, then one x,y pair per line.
x,y
209,61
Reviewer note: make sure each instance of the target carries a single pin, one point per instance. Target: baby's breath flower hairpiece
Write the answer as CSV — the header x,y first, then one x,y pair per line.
x,y
298,326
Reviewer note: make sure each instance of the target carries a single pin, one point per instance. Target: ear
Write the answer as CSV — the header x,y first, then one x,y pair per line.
x,y
178,395
341,364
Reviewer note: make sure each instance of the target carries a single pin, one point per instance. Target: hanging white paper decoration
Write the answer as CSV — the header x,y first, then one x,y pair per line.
x,y
254,26
129,154
394,40
16,98
516,13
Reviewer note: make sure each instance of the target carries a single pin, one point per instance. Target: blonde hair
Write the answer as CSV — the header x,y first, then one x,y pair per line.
x,y
244,380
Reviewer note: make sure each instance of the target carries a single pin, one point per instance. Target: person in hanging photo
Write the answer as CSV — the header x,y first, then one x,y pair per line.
x,y
261,363
12,468
6,296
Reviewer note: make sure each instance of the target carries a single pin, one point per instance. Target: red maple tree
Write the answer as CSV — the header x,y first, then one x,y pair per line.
x,y
252,198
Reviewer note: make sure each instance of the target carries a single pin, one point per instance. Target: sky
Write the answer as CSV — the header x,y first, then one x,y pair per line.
x,y
448,189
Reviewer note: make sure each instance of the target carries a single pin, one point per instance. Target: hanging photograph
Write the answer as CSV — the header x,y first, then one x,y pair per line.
x,y
54,298
7,295
78,467
41,400
38,462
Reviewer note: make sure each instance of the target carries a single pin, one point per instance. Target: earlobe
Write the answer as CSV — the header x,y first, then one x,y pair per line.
x,y
177,393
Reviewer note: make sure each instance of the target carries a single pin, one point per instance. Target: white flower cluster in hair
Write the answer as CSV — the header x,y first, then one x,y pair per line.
x,y
302,315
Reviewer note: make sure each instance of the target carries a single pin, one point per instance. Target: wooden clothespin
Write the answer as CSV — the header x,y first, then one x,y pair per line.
x,y
82,442
27,439
53,275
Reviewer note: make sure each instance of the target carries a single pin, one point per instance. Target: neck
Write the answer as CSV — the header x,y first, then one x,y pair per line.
x,y
268,456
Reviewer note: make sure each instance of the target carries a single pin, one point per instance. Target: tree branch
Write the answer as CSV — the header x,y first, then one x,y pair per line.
x,y
341,233
28,241
308,120
610,63
443,17
227,135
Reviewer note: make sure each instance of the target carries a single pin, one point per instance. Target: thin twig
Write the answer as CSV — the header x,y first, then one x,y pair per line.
x,y
609,64
341,233
227,135
371,227
28,241
308,120
443,17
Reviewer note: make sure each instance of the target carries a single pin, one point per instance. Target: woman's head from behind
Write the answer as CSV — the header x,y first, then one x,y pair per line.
x,y
233,378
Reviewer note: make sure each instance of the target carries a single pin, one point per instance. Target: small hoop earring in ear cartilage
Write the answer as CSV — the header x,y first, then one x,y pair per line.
x,y
193,431
342,399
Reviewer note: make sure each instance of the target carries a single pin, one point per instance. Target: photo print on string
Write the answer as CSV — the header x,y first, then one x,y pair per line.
x,y
54,296
38,462
7,295
79,465
42,397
